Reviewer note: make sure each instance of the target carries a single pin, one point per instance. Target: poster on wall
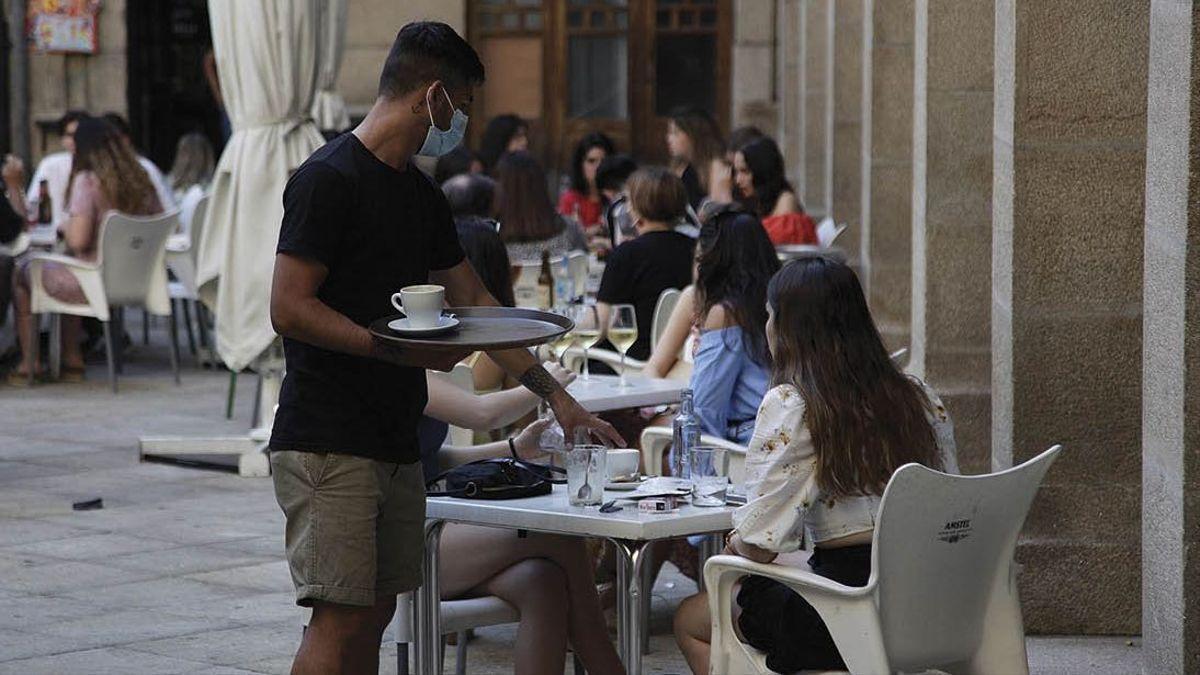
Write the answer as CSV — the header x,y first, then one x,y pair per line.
x,y
67,26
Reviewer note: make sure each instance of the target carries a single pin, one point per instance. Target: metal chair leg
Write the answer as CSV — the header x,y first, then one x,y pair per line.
x,y
145,327
578,665
460,654
231,395
187,323
119,339
647,595
174,344
35,327
257,401
401,658
55,357
108,352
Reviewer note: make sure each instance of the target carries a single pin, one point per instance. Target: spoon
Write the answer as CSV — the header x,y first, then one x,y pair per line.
x,y
585,490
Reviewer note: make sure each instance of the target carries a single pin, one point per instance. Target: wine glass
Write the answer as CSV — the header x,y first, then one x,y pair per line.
x,y
622,332
560,344
587,332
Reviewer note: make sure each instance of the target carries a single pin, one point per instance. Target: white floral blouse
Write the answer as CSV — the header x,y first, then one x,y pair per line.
x,y
785,502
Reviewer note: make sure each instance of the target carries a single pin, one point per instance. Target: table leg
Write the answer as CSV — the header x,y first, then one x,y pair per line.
x,y
427,606
631,559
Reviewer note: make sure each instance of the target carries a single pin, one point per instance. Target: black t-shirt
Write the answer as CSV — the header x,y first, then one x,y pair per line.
x,y
691,184
639,270
377,230
11,222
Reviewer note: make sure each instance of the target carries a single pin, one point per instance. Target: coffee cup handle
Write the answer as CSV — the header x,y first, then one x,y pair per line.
x,y
397,302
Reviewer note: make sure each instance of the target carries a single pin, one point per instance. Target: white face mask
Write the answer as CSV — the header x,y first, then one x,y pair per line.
x,y
438,141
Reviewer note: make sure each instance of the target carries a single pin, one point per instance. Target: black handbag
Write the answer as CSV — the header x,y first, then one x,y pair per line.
x,y
503,478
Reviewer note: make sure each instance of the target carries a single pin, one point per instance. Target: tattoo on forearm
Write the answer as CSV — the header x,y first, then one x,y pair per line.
x,y
539,381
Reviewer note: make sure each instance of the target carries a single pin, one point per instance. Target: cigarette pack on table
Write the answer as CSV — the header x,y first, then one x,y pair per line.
x,y
658,504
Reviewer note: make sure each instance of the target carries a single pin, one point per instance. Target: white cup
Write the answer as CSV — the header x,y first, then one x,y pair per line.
x,y
622,462
421,304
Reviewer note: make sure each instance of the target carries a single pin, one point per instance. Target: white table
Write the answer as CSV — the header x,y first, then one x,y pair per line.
x,y
629,530
601,393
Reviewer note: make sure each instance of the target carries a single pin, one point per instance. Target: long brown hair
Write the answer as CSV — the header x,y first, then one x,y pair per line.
x,y
705,134
101,149
522,200
866,417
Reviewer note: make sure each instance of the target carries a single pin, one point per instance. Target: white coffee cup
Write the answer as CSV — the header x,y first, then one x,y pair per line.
x,y
421,304
622,462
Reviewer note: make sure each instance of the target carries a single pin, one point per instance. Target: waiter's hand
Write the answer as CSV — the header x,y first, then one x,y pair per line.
x,y
572,416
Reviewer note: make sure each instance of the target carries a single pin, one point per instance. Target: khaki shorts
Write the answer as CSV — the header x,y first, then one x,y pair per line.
x,y
355,526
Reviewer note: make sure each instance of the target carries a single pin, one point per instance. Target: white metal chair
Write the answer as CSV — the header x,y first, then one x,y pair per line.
x,y
942,592
129,271
573,357
525,283
457,616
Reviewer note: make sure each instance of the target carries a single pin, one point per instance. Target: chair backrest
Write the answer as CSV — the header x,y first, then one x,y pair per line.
x,y
132,252
662,313
940,542
195,227
828,232
899,357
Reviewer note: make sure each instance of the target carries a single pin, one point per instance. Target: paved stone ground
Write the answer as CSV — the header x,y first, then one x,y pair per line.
x,y
182,570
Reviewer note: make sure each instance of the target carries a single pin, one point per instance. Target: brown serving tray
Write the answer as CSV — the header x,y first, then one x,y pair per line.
x,y
483,329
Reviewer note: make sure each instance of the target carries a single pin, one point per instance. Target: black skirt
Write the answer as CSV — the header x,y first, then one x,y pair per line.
x,y
779,622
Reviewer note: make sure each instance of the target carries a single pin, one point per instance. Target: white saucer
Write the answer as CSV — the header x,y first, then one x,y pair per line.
x,y
623,486
446,323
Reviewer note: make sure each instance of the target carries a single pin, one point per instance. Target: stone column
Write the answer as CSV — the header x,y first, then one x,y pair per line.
x,y
952,215
1171,352
789,87
816,26
754,65
887,163
847,86
1068,189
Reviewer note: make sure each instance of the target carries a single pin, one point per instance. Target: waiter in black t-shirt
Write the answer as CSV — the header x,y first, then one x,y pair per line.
x,y
361,222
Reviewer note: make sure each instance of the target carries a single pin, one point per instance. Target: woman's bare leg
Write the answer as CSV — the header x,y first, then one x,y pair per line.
x,y
538,589
24,323
693,632
72,344
471,555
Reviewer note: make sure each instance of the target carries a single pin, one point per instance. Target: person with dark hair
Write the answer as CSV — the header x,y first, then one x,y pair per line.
x,y
488,257
165,195
360,222
740,137
639,270
55,169
528,222
456,162
504,134
583,200
696,148
470,195
758,175
105,176
840,419
610,179
12,223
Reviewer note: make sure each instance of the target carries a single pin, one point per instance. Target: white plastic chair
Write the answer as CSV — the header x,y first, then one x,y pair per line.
x,y
573,357
525,284
17,246
942,592
900,357
129,271
828,232
457,616
656,440
182,252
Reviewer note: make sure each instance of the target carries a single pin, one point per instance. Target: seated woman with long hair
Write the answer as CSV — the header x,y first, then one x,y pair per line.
x,y
839,421
760,184
105,177
528,221
502,135
583,201
696,149
548,578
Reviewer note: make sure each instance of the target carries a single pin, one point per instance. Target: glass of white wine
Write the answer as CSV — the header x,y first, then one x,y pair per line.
x,y
587,332
622,332
560,344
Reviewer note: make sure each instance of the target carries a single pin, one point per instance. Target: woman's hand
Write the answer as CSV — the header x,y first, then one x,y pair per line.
x,y
735,546
13,171
527,442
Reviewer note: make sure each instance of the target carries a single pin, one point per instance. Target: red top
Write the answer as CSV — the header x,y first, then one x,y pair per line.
x,y
790,228
590,210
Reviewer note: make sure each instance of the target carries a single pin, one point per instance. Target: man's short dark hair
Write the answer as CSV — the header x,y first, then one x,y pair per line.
x,y
425,51
69,117
613,171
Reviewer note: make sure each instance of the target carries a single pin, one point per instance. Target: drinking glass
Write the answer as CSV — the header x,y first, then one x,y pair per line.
x,y
587,332
560,344
587,472
622,332
710,475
